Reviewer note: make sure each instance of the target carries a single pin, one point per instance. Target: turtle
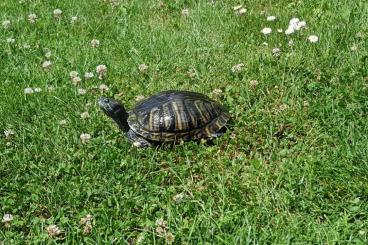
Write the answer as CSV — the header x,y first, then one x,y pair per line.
x,y
168,116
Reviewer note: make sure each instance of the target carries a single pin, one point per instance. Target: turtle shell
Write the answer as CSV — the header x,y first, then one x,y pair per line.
x,y
177,115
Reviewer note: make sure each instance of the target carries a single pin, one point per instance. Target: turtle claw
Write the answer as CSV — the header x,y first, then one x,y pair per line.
x,y
139,144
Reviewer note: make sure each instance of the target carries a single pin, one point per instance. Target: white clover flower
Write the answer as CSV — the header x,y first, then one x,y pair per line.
x,y
28,91
237,7
6,24
85,137
53,230
7,218
46,65
103,88
294,22
271,18
95,43
85,220
170,238
291,43
37,90
313,38
58,13
101,71
253,83
10,40
142,68
8,132
160,231
161,222
161,227
217,92
76,80
88,75
241,11
139,98
276,52
300,25
266,31
305,103
87,229
289,30
82,91
73,74
63,122
293,26
185,12
32,18
237,68
178,198
85,115
74,19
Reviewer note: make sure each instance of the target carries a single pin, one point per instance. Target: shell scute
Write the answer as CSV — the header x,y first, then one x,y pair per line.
x,y
174,115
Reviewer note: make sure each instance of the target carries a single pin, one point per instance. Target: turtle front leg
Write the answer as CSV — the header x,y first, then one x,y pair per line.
x,y
137,140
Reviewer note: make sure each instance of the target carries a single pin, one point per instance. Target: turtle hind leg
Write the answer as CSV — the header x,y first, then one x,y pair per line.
x,y
137,140
219,133
209,141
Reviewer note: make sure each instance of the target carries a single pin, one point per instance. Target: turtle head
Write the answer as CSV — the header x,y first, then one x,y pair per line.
x,y
116,111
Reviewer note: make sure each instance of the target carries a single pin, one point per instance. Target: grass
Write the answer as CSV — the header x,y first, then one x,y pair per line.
x,y
293,170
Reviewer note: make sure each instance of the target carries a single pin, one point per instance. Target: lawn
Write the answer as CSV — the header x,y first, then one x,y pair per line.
x,y
292,169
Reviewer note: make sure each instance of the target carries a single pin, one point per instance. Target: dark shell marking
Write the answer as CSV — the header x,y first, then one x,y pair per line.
x,y
177,115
